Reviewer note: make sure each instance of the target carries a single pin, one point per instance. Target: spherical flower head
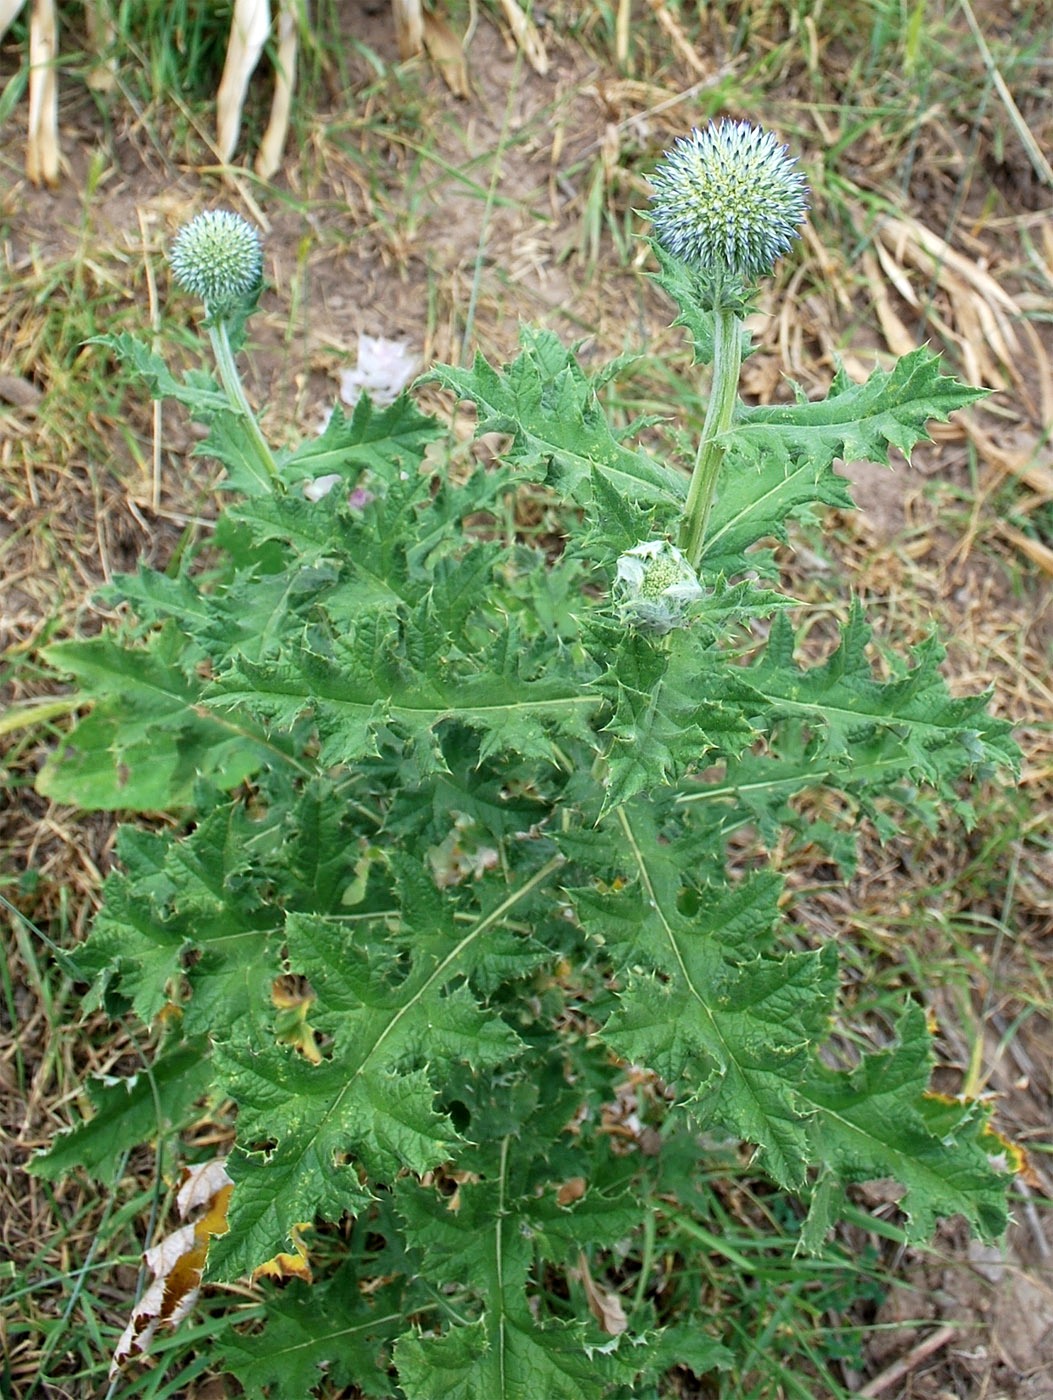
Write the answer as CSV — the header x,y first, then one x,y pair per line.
x,y
654,585
217,256
728,201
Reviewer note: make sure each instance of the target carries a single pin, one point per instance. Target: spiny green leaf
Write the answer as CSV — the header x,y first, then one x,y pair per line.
x,y
757,494
156,598
685,1344
508,1355
379,439
524,1361
367,1097
877,1121
230,445
132,944
148,1106
705,1003
146,742
780,457
891,409
374,684
878,775
316,1332
314,1116
198,391
199,915
845,706
676,701
616,524
679,280
559,431
905,741
176,896
244,614
312,530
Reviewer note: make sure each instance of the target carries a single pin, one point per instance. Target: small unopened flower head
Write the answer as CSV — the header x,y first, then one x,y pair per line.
x,y
728,200
654,585
217,256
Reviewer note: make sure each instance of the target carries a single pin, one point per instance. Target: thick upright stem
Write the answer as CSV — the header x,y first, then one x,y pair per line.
x,y
231,381
727,361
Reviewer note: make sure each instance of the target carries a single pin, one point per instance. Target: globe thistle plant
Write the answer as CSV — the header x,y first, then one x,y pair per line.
x,y
486,804
218,257
727,203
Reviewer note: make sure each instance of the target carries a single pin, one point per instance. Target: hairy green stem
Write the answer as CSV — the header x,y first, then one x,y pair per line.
x,y
231,381
727,361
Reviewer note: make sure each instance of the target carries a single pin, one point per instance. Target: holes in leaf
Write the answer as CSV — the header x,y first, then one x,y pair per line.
x,y
293,998
264,1145
459,1115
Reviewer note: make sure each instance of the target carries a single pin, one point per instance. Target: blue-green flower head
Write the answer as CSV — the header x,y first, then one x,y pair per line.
x,y
217,256
728,201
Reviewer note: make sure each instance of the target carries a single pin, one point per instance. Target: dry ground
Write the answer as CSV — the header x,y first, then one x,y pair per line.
x,y
407,212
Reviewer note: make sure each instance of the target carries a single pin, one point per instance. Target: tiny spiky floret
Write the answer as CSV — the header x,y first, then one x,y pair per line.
x,y
217,256
728,200
654,584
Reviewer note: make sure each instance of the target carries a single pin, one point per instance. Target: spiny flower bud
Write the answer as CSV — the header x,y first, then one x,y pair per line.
x,y
654,584
217,256
728,201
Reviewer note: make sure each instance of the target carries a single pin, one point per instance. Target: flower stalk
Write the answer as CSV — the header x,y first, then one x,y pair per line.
x,y
230,379
727,361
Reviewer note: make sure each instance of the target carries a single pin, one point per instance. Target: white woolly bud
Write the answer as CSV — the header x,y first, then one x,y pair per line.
x,y
654,585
